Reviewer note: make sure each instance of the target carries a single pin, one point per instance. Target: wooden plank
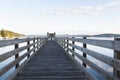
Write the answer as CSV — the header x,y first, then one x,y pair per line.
x,y
101,43
13,52
104,73
106,59
4,43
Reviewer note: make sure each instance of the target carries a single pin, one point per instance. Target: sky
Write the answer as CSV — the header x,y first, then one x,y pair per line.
x,y
36,17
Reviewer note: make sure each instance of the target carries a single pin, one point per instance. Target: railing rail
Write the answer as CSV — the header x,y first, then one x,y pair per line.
x,y
69,44
33,44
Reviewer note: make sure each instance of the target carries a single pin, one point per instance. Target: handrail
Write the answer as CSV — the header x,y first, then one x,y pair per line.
x,y
30,44
69,44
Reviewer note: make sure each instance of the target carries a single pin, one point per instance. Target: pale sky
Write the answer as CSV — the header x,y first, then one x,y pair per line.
x,y
60,16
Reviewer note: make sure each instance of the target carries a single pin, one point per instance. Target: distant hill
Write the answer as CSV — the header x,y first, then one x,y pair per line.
x,y
9,34
107,35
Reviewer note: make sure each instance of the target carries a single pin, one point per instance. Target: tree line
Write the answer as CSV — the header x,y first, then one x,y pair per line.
x,y
9,34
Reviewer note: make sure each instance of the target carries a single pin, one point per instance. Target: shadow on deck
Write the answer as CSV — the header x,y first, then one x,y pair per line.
x,y
50,63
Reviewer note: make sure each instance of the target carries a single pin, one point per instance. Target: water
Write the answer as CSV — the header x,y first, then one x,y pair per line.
x,y
104,51
7,61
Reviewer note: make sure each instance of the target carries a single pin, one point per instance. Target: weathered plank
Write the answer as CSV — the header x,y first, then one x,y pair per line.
x,y
102,43
13,41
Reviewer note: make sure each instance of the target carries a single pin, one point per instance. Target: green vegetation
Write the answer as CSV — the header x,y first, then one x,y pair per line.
x,y
9,34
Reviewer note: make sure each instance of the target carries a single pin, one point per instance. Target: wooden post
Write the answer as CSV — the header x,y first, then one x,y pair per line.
x,y
16,55
84,54
67,45
28,43
34,45
73,42
51,37
116,72
37,43
64,43
40,42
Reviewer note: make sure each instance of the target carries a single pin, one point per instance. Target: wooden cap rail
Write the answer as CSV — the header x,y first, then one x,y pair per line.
x,y
36,42
65,42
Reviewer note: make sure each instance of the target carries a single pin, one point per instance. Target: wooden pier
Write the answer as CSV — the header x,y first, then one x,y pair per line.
x,y
56,58
51,63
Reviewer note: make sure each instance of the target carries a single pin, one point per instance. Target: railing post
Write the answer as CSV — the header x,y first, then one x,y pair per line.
x,y
16,55
63,42
67,44
28,43
73,42
34,45
37,43
84,54
116,72
40,41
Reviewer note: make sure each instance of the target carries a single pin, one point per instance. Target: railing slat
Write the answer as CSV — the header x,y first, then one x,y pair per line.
x,y
101,43
4,43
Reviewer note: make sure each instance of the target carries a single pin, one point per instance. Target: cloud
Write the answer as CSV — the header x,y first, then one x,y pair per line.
x,y
107,5
116,9
82,10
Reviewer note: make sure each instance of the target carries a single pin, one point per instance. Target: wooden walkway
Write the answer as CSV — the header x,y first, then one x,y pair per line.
x,y
50,63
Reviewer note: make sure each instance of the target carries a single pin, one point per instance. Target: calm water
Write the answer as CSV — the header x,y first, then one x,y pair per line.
x,y
2,64
104,51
